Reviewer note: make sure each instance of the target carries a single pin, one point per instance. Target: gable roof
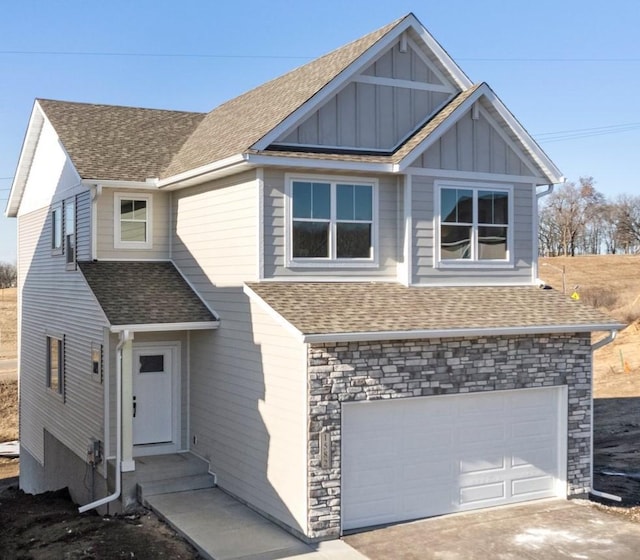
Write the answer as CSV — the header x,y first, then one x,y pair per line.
x,y
119,143
134,294
325,311
136,145
236,125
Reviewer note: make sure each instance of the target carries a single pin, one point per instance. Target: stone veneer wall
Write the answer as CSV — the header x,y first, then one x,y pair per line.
x,y
415,368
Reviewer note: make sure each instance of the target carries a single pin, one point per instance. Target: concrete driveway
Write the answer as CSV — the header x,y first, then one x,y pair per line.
x,y
545,530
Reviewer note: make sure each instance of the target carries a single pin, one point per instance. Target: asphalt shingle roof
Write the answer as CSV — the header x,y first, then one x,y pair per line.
x,y
142,293
356,307
119,143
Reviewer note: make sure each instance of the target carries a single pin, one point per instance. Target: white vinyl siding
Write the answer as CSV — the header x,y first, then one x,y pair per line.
x,y
83,226
159,234
247,379
274,234
423,240
54,300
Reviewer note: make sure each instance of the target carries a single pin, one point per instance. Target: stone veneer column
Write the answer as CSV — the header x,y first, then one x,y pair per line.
x,y
416,368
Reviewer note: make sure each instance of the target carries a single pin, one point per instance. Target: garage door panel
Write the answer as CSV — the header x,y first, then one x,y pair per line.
x,y
479,493
478,435
441,454
533,486
481,465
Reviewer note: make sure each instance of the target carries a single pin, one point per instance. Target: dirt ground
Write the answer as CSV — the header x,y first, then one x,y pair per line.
x,y
49,527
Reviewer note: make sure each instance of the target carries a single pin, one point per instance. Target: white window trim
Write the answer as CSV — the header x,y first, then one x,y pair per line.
x,y
99,347
61,377
56,210
322,262
70,264
117,241
468,263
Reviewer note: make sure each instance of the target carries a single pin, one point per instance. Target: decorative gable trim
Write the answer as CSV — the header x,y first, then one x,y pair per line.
x,y
314,103
552,173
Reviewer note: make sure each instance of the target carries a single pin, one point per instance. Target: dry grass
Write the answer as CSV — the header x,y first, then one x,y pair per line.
x,y
609,282
8,323
612,284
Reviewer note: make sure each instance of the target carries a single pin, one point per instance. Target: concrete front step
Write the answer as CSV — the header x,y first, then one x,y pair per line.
x,y
171,485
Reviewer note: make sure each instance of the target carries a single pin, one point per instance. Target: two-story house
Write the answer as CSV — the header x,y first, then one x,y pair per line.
x,y
324,291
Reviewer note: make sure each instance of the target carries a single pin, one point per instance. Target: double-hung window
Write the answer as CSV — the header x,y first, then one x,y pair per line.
x,y
475,224
55,364
331,221
132,221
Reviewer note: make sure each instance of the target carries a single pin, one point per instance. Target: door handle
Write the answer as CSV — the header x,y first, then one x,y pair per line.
x,y
134,406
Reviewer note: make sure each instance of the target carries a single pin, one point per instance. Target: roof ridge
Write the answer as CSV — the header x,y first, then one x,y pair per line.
x,y
112,106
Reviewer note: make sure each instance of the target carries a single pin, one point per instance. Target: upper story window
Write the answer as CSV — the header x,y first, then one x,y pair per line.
x,y
55,364
56,229
475,224
332,221
70,233
132,221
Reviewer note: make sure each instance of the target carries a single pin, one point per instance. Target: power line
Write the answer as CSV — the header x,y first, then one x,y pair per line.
x,y
578,133
298,57
148,55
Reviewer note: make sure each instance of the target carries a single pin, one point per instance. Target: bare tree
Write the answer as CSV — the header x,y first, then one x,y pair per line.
x,y
627,220
8,275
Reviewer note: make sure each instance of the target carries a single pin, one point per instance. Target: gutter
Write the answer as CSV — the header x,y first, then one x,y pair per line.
x,y
606,340
449,333
124,337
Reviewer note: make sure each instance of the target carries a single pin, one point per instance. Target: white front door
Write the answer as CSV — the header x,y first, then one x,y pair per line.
x,y
153,395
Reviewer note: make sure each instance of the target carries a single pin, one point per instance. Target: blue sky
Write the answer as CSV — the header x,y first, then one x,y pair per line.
x,y
559,65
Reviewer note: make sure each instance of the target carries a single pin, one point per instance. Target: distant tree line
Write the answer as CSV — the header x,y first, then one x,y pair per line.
x,y
576,219
8,275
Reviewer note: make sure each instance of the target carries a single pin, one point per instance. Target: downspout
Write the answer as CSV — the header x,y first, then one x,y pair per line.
x,y
536,248
96,191
606,340
124,337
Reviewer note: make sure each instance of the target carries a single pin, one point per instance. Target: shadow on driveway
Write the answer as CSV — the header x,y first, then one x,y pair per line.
x,y
544,530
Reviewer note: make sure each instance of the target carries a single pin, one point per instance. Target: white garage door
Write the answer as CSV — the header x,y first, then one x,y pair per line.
x,y
410,458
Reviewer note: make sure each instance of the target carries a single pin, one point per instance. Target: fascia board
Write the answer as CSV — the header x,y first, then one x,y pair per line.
x,y
164,327
201,174
455,333
454,70
555,175
27,151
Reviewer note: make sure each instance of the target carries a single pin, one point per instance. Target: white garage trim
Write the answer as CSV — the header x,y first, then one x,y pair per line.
x,y
408,458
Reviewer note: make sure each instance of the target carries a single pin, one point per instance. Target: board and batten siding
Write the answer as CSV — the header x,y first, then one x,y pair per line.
x,y
160,226
423,240
275,235
372,115
473,145
56,302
